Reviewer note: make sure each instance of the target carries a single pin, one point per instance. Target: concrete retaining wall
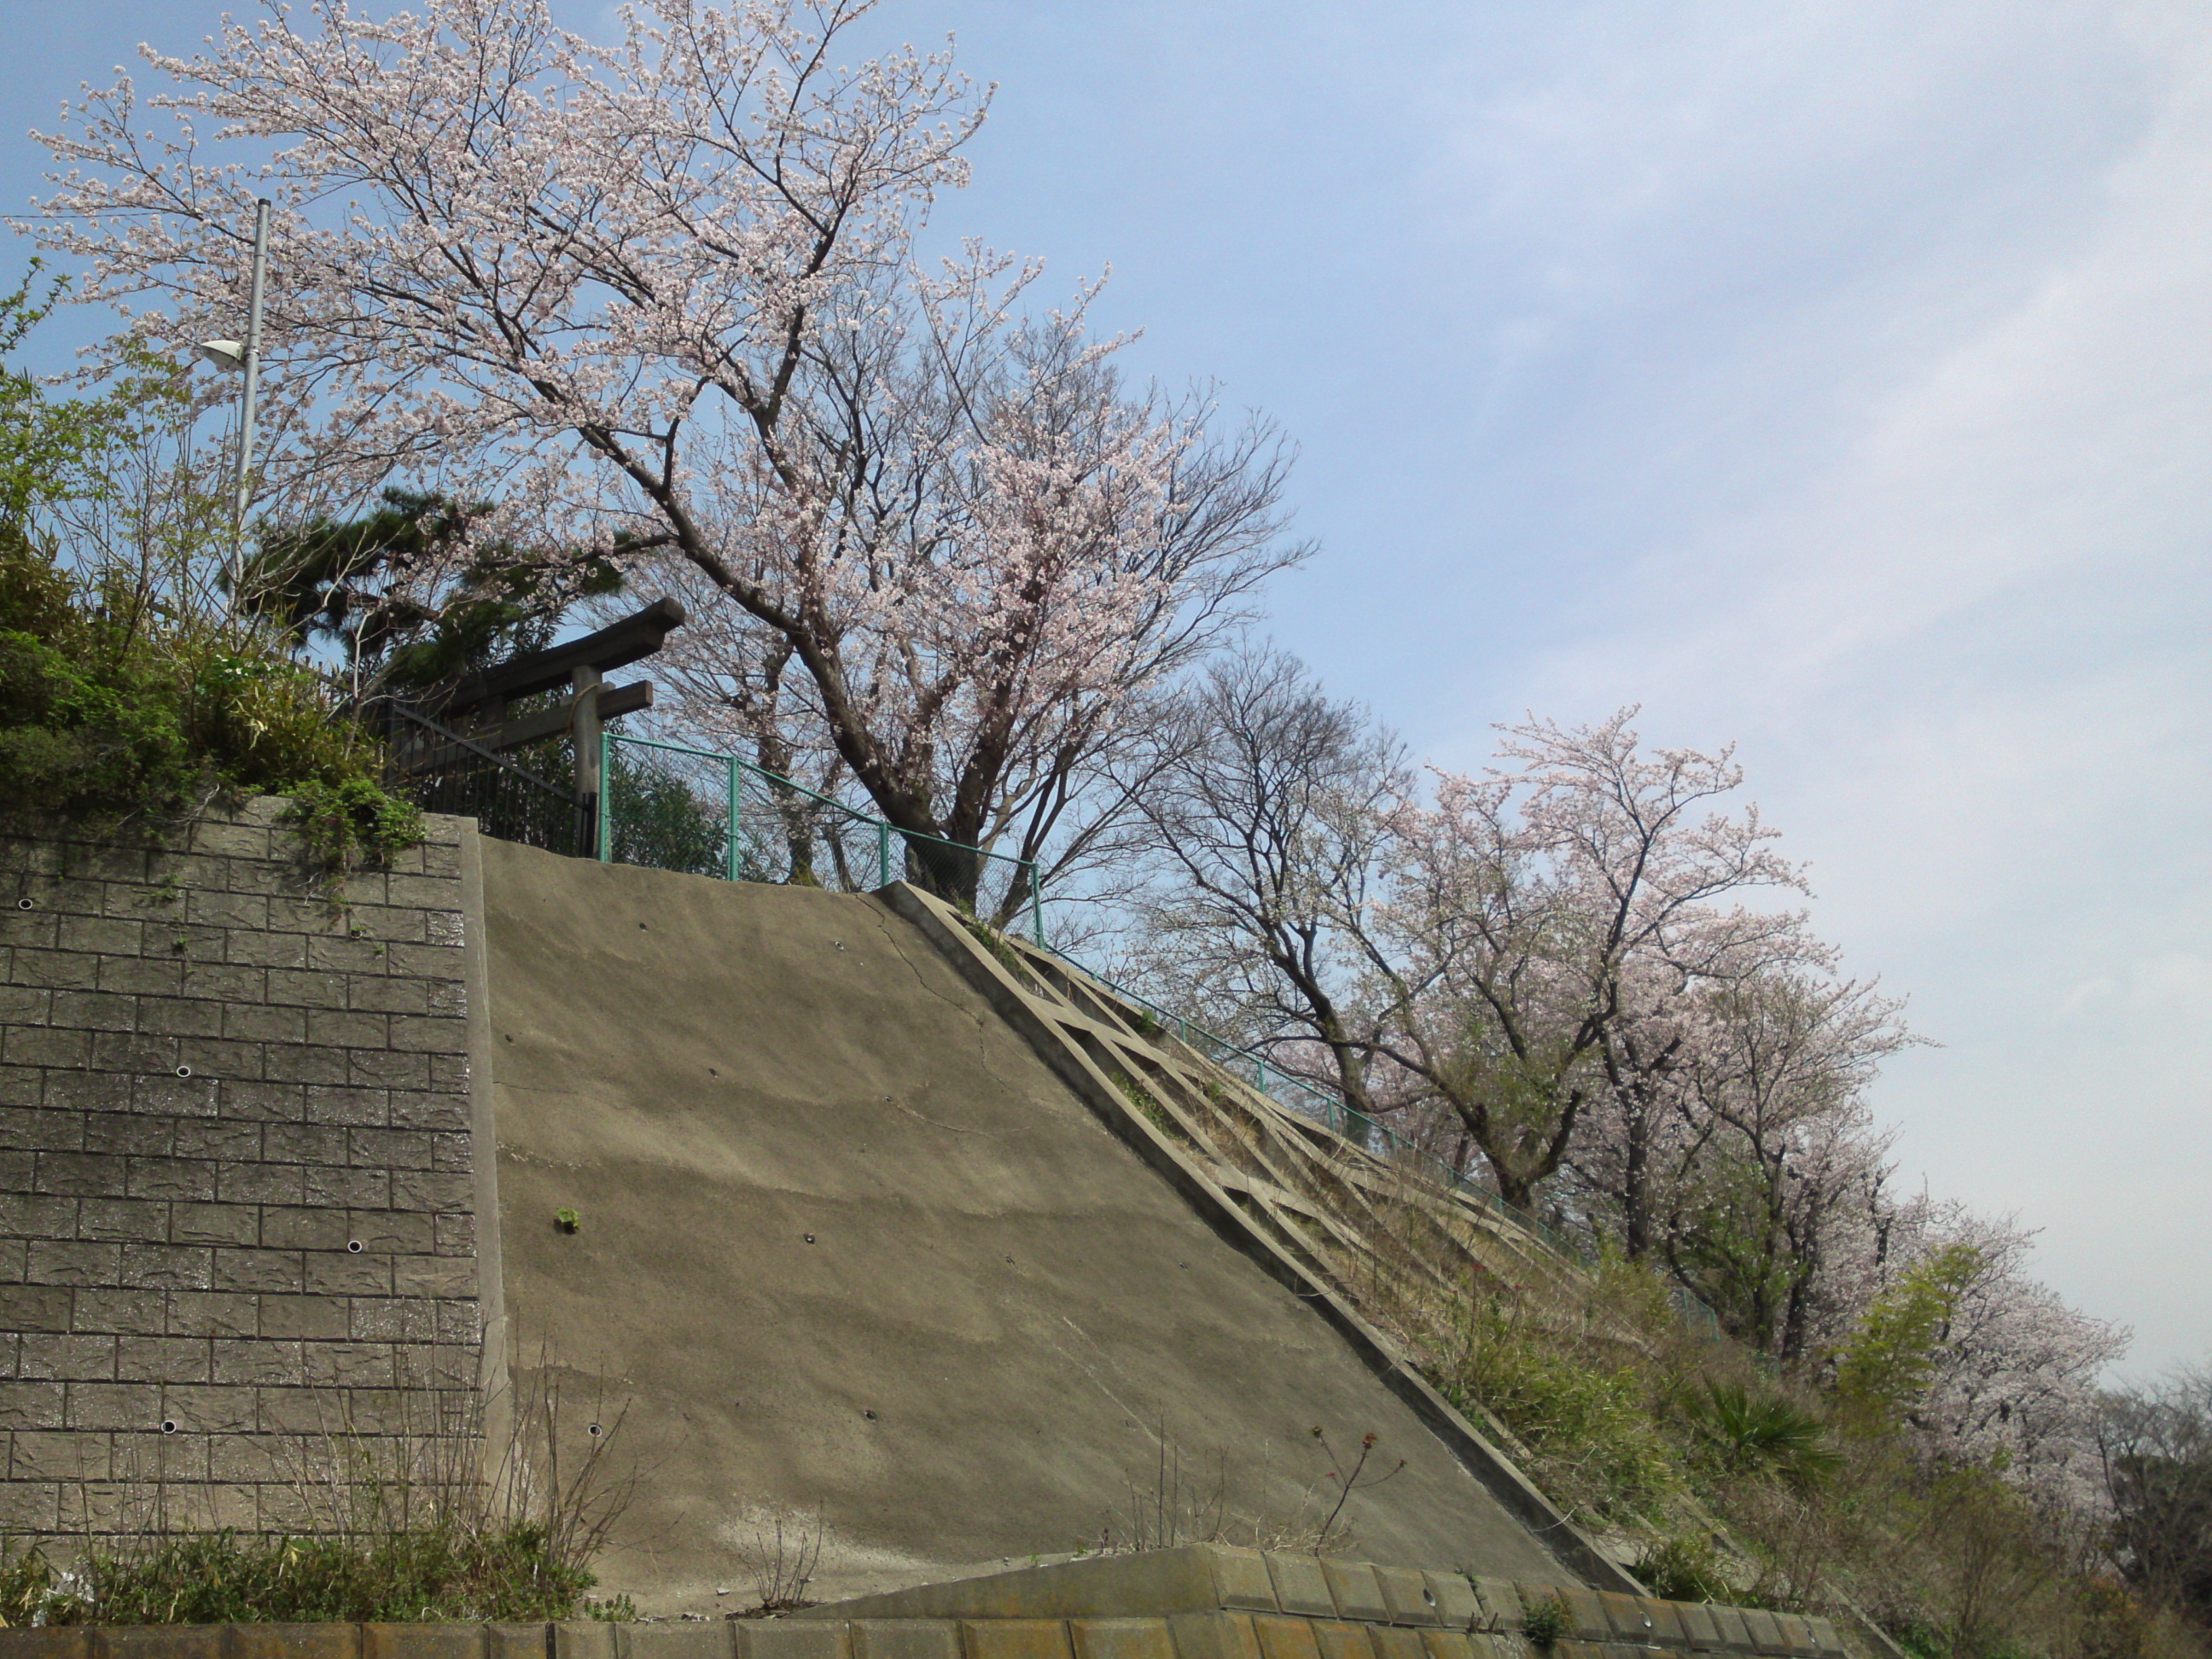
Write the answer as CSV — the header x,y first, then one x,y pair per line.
x,y
236,1176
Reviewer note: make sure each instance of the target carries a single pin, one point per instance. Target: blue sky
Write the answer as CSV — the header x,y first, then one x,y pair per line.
x,y
1835,378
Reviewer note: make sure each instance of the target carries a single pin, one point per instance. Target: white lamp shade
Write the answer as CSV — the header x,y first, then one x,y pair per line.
x,y
223,354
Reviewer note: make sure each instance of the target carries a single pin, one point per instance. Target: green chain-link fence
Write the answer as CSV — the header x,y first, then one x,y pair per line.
x,y
670,807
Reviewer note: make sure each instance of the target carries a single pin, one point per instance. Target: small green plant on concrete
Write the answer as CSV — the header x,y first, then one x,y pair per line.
x,y
1009,958
567,1220
1546,1622
350,823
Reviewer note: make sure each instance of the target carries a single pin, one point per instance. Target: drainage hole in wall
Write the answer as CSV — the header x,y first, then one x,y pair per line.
x,y
353,1247
711,1072
809,1238
871,1416
184,1071
168,1426
595,1430
26,905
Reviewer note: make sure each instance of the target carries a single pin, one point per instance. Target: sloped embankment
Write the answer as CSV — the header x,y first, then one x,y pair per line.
x,y
848,1248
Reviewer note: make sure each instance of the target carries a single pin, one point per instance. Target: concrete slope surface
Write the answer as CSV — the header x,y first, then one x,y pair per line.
x,y
855,1259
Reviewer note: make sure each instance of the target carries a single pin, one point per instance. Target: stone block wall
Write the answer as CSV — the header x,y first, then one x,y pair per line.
x,y
236,1189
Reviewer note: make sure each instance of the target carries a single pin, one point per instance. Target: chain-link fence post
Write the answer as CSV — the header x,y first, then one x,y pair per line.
x,y
883,854
736,782
603,840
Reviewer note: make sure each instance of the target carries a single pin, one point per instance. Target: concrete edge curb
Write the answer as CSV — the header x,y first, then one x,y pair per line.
x,y
1221,1634
1489,1466
483,1136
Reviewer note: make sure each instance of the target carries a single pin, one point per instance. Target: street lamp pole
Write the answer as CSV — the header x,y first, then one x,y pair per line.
x,y
246,410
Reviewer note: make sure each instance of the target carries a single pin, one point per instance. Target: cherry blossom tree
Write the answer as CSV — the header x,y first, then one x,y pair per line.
x,y
660,298
1538,918
1267,806
1768,1146
2013,1379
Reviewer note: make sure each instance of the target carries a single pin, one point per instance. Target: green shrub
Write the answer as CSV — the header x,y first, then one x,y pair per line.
x,y
1686,1569
508,1575
112,705
1738,1433
1588,1425
342,822
1546,1622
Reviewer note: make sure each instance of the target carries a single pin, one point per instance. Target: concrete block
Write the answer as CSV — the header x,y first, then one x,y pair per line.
x,y
157,1642
905,1638
1765,1635
183,1017
1446,1644
1501,1603
714,1640
28,1129
167,1267
1797,1631
79,1174
1014,1638
1407,1594
45,1358
377,1068
98,1407
421,1642
1352,1587
1456,1603
67,1642
1240,1578
1763,1630
36,1308
1698,1626
517,1641
1301,1586
1729,1622
33,1406
1397,1641
790,1638
1629,1620
1665,1626
1214,1636
262,1271
1286,1639
584,1639
1338,1638
351,1189
287,1062
1115,1638
1587,1614
1483,1645
1824,1637
291,1642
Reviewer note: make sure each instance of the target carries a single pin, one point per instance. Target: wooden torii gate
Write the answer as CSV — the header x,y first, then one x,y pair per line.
x,y
476,708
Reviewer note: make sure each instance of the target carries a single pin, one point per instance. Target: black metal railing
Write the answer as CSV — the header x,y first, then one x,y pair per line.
x,y
440,770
